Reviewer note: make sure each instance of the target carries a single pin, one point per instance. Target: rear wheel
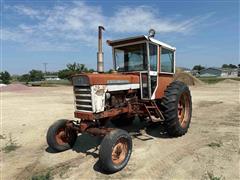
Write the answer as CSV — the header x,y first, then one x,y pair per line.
x,y
177,108
115,150
58,138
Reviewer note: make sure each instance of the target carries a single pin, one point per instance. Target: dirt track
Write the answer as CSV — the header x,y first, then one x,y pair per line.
x,y
210,148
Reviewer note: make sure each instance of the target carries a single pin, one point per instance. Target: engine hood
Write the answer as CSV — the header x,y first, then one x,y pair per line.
x,y
105,79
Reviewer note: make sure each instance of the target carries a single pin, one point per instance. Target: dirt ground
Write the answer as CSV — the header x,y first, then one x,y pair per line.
x,y
209,150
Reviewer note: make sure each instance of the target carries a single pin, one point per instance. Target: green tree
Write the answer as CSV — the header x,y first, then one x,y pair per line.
x,y
65,74
198,67
76,67
24,78
91,70
224,66
72,69
35,75
231,66
5,77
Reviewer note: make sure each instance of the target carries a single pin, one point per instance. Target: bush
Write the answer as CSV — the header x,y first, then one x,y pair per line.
x,y
5,77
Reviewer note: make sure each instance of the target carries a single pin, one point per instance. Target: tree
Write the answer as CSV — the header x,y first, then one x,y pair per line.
x,y
5,77
91,70
76,67
35,75
72,69
231,66
198,67
224,66
24,78
64,74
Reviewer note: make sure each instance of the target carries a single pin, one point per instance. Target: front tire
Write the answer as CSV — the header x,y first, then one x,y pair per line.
x,y
115,150
177,108
57,138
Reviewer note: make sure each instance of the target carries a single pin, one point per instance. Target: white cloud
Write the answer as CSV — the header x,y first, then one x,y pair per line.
x,y
141,19
68,25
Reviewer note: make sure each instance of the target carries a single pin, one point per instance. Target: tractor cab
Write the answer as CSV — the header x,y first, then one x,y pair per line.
x,y
152,59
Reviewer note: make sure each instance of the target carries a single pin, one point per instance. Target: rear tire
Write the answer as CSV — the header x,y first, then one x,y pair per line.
x,y
115,150
57,138
177,108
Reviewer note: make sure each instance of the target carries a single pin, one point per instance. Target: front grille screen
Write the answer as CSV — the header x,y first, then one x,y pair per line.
x,y
83,99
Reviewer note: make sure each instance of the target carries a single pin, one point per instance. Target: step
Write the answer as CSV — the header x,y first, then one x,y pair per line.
x,y
151,107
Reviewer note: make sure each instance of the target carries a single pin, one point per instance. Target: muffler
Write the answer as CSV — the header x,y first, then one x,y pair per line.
x,y
100,65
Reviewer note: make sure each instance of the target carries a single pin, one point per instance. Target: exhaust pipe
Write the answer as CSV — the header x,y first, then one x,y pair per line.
x,y
100,67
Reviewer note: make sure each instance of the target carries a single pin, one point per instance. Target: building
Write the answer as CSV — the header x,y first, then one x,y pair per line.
x,y
51,78
218,72
230,72
210,72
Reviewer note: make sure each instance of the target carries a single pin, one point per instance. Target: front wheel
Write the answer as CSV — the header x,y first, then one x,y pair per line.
x,y
115,150
177,108
58,139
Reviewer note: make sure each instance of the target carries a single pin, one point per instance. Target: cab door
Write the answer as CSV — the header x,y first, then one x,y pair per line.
x,y
149,78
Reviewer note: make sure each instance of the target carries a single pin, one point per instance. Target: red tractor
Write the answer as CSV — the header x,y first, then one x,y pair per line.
x,y
141,85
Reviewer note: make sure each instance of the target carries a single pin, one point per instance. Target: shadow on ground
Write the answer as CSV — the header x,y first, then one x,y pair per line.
x,y
141,130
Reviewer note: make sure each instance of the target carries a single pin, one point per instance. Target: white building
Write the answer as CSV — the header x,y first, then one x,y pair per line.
x,y
51,78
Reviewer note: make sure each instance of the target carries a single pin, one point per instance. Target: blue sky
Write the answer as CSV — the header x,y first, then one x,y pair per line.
x,y
61,32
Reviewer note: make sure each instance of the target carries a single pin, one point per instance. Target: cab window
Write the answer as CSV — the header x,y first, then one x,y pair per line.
x,y
131,58
153,57
167,60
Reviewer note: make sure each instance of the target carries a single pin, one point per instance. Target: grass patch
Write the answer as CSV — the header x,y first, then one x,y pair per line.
x,y
46,176
11,145
214,144
212,177
214,80
63,171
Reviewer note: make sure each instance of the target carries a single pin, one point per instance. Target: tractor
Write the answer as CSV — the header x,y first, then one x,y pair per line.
x,y
141,85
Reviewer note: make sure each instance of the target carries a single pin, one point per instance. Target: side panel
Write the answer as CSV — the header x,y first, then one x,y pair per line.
x,y
163,81
98,97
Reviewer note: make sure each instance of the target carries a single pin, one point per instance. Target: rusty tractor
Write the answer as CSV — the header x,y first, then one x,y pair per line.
x,y
141,85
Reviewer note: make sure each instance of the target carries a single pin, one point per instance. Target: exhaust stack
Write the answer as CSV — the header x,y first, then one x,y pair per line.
x,y
100,65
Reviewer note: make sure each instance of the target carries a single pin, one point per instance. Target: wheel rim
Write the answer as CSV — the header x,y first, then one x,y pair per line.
x,y
120,151
61,136
183,109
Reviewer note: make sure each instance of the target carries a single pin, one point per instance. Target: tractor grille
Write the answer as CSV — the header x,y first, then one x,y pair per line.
x,y
83,99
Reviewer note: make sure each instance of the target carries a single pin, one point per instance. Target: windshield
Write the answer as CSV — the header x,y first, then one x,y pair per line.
x,y
131,58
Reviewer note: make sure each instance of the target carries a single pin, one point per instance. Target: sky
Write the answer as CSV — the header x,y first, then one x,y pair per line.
x,y
61,32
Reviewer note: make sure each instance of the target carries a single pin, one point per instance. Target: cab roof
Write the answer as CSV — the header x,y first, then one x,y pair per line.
x,y
138,38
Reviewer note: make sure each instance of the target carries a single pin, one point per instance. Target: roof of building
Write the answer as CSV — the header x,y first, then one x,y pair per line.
x,y
139,38
210,68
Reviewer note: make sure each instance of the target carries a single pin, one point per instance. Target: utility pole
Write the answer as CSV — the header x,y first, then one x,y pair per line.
x,y
45,67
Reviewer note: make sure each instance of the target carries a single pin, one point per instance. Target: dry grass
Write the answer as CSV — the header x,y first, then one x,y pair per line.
x,y
11,145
